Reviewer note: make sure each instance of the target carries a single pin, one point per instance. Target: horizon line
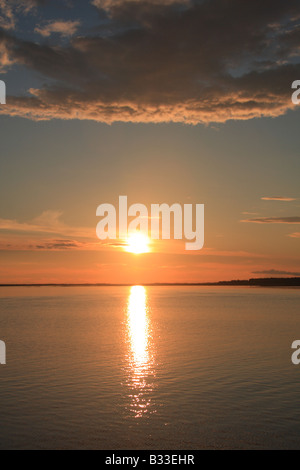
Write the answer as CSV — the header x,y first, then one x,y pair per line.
x,y
245,282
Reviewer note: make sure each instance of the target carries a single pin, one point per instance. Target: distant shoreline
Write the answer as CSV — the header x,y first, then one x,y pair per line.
x,y
260,282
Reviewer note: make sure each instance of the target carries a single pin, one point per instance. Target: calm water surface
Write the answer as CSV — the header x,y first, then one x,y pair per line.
x,y
149,368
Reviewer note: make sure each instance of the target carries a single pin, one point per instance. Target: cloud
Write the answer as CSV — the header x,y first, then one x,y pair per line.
x,y
5,60
7,19
284,199
10,8
49,222
113,4
48,245
46,232
58,245
156,62
274,220
249,213
274,272
65,28
294,235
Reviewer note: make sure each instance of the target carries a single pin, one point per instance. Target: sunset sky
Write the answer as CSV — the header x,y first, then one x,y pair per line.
x,y
163,101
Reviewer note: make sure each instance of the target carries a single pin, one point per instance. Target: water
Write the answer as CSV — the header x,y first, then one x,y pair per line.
x,y
149,368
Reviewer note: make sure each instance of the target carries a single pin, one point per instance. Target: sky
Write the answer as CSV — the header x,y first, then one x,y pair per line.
x,y
168,101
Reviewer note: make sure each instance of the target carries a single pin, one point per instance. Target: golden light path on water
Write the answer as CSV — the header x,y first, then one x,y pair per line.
x,y
141,354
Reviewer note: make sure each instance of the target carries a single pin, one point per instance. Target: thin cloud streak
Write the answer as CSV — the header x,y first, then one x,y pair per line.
x,y
283,199
274,220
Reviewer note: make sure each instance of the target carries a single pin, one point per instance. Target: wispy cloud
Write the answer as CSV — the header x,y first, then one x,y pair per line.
x,y
46,232
64,28
250,213
48,245
278,198
294,235
48,223
113,4
274,220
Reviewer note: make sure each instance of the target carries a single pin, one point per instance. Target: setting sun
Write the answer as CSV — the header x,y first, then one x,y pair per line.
x,y
138,244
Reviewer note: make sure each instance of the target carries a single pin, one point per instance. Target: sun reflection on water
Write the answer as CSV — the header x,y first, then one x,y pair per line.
x,y
141,353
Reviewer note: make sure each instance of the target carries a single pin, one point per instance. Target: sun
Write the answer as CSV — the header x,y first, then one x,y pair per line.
x,y
137,244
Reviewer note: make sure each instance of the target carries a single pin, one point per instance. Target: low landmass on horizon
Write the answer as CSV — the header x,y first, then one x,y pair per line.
x,y
260,282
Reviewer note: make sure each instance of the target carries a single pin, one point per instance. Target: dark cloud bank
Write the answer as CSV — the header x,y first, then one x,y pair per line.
x,y
198,61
